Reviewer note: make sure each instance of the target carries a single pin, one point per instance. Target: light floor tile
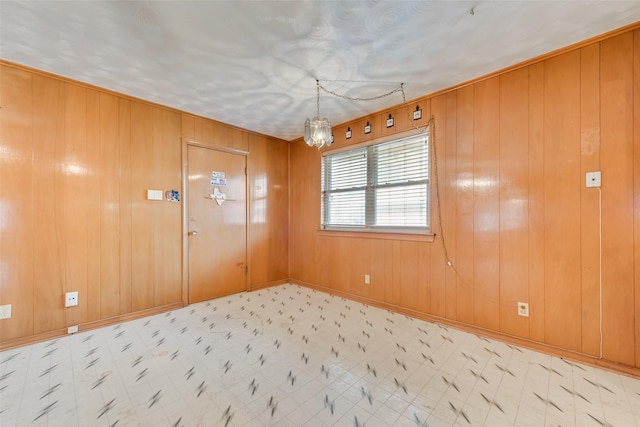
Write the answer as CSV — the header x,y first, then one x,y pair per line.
x,y
290,356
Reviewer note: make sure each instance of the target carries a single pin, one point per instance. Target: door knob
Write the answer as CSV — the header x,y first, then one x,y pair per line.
x,y
192,233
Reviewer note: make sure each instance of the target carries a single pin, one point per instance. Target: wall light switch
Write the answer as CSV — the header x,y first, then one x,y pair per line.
x,y
154,194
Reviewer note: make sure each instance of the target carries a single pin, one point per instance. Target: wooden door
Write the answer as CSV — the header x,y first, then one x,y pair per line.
x,y
217,223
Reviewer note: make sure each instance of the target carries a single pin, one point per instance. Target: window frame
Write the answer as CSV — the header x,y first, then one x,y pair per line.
x,y
369,230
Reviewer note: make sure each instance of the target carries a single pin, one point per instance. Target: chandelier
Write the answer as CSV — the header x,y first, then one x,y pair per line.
x,y
317,132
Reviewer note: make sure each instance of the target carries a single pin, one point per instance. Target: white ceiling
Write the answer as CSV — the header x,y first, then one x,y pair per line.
x,y
253,64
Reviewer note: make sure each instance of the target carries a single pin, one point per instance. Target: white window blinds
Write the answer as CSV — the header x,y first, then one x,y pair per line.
x,y
378,187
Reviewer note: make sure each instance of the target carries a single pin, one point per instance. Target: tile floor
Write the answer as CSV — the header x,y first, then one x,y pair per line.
x,y
292,356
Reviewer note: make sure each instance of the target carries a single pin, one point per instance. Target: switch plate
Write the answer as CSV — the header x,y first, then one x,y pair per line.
x,y
72,329
367,279
523,309
594,179
71,299
5,311
154,194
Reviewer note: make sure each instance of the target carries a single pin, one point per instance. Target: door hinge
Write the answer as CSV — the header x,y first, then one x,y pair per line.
x,y
246,269
245,170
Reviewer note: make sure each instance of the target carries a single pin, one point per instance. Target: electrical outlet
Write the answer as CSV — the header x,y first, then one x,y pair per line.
x,y
367,279
523,309
71,299
5,311
72,329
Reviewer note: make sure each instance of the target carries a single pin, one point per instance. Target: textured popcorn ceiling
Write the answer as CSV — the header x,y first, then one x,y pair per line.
x,y
253,64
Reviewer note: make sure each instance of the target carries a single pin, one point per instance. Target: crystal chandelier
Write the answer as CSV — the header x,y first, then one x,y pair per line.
x,y
317,132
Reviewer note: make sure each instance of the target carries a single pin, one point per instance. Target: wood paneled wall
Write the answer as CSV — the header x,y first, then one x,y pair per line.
x,y
268,176
519,223
75,165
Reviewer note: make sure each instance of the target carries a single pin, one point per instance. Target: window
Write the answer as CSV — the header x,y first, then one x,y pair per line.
x,y
380,187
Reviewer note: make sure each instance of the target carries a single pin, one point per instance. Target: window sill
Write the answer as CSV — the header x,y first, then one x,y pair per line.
x,y
411,237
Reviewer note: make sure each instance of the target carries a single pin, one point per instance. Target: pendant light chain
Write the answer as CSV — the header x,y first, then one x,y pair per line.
x,y
317,131
373,98
432,126
318,98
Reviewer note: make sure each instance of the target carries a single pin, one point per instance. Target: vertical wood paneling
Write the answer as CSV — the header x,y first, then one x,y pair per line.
x,y
449,210
94,205
616,157
75,229
126,201
332,278
155,221
267,172
259,186
514,196
340,278
16,203
562,200
269,209
636,191
361,266
188,127
239,139
48,137
395,287
169,165
208,130
310,212
405,276
203,130
589,197
464,205
296,228
438,285
109,206
142,174
425,276
536,205
197,129
299,229
486,204
518,219
322,275
389,247
376,269
222,135
353,250
353,281
77,163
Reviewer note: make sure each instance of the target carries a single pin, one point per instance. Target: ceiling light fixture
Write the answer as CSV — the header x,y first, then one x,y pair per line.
x,y
317,132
